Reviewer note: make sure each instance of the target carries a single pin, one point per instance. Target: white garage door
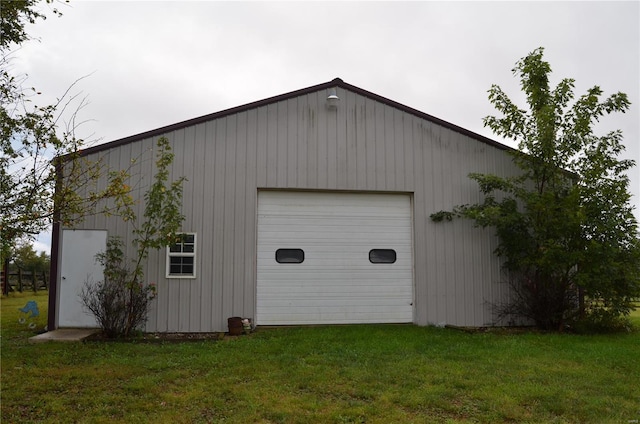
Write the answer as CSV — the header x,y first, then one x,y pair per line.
x,y
334,258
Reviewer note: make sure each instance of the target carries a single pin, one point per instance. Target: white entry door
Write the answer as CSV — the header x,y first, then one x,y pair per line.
x,y
78,265
334,258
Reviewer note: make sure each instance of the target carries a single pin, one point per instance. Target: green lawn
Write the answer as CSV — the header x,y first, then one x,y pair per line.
x,y
340,374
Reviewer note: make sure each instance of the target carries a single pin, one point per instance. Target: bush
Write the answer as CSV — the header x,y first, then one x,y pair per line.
x,y
603,320
550,303
119,302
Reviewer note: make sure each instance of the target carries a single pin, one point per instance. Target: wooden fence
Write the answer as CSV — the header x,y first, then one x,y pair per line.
x,y
21,280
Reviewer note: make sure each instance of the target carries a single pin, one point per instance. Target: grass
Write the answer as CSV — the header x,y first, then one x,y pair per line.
x,y
339,374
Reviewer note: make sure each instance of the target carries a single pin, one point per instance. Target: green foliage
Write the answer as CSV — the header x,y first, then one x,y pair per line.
x,y
20,179
121,301
566,229
119,304
162,216
602,320
25,257
15,14
32,197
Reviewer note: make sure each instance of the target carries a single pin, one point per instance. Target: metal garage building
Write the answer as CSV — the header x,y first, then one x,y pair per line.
x,y
309,207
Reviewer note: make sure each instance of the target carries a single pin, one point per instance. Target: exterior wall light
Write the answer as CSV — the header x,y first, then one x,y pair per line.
x,y
332,99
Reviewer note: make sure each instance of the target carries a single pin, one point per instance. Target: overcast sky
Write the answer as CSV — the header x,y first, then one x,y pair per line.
x,y
157,63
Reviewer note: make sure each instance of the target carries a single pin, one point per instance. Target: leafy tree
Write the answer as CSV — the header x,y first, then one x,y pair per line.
x,y
25,257
15,15
31,136
120,303
567,234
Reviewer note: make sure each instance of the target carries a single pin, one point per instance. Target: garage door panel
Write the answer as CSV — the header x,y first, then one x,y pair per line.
x,y
351,294
348,277
287,221
381,223
336,282
324,237
336,315
288,289
358,252
308,316
319,299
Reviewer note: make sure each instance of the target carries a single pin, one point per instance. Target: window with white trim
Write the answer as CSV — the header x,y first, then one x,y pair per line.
x,y
181,257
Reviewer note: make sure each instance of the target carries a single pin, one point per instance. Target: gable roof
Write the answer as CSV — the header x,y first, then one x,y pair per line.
x,y
335,83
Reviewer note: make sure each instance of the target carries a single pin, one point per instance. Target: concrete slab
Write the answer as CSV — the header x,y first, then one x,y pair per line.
x,y
64,335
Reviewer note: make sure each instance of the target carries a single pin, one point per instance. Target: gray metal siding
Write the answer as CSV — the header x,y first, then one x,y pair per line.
x,y
363,145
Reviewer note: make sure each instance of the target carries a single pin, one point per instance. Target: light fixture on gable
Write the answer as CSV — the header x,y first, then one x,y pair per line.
x,y
332,99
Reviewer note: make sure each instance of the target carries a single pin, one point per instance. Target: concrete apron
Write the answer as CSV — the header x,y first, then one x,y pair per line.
x,y
64,335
